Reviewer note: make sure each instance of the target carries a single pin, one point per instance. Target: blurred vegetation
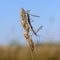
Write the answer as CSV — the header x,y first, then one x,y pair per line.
x,y
14,43
41,52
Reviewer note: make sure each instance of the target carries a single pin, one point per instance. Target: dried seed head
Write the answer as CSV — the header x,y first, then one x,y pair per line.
x,y
26,28
22,12
26,35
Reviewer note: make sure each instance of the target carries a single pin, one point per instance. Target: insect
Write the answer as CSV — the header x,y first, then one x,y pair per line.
x,y
29,22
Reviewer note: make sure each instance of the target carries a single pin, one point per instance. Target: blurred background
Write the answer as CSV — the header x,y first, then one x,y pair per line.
x,y
47,45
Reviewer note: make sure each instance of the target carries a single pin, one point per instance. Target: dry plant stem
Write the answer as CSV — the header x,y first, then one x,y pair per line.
x,y
29,40
30,43
26,32
26,28
32,54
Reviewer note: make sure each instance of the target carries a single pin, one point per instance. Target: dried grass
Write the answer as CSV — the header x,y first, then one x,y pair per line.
x,y
26,28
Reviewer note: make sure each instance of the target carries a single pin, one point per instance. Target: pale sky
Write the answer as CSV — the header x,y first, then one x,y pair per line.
x,y
48,10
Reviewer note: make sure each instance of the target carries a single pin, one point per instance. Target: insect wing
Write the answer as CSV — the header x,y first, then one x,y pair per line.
x,y
39,28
